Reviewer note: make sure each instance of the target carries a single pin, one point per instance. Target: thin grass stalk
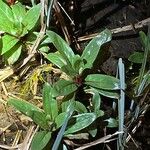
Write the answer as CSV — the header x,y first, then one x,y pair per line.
x,y
49,12
63,128
121,103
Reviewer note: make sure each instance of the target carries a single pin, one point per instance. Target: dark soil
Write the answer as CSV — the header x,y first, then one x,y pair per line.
x,y
96,15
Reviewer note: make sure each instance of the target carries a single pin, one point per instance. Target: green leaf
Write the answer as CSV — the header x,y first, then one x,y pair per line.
x,y
49,103
40,140
63,48
78,106
6,17
8,42
112,123
110,94
56,59
31,18
13,54
82,121
93,132
101,81
60,62
92,49
136,57
144,38
78,64
19,13
59,120
64,87
44,49
37,115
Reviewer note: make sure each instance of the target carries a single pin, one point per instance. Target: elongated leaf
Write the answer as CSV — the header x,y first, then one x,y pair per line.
x,y
8,42
144,38
78,64
92,49
61,63
40,140
63,87
13,54
101,81
82,121
136,57
19,13
32,16
59,120
56,59
63,48
6,17
37,115
110,94
49,103
78,106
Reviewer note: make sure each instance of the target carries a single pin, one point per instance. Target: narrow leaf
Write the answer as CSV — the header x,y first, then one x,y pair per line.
x,y
40,140
64,87
82,121
136,57
13,54
6,17
92,49
32,16
49,103
37,115
8,42
63,48
101,81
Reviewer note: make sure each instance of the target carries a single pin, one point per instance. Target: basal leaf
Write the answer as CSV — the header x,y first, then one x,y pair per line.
x,y
92,49
103,82
49,103
31,18
40,140
63,48
136,57
30,110
6,17
82,121
64,87
13,54
8,42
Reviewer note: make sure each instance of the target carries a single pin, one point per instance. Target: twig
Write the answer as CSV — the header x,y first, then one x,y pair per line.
x,y
62,22
118,30
38,40
101,140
